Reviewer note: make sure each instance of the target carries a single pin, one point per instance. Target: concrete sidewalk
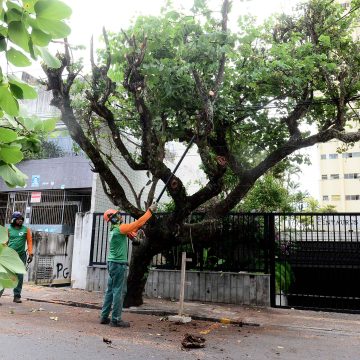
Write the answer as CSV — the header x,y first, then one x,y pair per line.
x,y
242,315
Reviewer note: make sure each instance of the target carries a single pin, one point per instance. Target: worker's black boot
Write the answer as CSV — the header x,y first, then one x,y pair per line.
x,y
17,299
104,321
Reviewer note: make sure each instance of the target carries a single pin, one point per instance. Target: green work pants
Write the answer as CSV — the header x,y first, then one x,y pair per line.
x,y
115,292
17,290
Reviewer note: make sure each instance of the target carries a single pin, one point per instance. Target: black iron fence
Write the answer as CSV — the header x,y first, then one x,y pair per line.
x,y
317,261
313,259
240,243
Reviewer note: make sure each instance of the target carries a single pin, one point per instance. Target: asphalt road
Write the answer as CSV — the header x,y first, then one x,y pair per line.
x,y
55,332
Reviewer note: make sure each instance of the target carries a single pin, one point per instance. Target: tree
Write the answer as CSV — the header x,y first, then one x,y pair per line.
x,y
246,98
27,27
48,150
270,195
313,206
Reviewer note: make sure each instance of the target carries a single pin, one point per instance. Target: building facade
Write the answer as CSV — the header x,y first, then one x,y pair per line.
x,y
339,165
340,175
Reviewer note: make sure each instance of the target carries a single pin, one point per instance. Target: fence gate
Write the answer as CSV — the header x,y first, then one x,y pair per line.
x,y
317,261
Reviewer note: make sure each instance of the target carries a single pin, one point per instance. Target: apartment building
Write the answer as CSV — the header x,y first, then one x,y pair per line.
x,y
340,175
340,171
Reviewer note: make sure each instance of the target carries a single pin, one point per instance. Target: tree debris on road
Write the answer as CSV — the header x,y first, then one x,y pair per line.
x,y
193,341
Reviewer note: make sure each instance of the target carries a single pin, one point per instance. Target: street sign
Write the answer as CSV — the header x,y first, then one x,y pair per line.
x,y
35,197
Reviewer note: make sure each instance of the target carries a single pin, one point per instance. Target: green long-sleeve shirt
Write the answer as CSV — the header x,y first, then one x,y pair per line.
x,y
118,249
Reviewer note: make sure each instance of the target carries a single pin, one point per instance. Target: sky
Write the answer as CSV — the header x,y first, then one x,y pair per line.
x,y
90,16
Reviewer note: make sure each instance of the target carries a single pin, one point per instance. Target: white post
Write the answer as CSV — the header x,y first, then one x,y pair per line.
x,y
182,283
180,318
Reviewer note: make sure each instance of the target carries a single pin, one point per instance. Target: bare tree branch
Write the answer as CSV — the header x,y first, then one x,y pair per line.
x,y
272,159
61,99
97,103
151,195
298,112
221,70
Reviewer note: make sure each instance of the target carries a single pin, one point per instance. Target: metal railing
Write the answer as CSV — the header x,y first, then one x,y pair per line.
x,y
239,244
317,260
56,207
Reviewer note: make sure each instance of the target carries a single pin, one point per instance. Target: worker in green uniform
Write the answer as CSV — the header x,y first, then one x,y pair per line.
x,y
118,263
19,237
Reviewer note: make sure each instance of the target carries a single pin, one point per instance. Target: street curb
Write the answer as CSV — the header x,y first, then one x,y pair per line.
x,y
145,312
67,303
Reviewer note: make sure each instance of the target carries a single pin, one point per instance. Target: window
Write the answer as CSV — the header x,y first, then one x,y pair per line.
x,y
334,176
352,176
325,197
323,156
351,155
323,177
335,197
352,197
333,156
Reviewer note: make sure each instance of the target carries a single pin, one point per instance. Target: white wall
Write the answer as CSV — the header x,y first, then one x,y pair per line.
x,y
189,173
100,202
81,250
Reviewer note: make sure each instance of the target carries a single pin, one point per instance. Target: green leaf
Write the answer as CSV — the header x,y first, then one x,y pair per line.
x,y
325,40
11,154
13,14
331,66
52,9
3,235
40,38
3,44
16,91
50,60
31,49
17,58
28,92
29,5
7,135
10,260
19,35
13,6
7,278
56,28
7,101
49,124
28,123
12,176
38,124
3,31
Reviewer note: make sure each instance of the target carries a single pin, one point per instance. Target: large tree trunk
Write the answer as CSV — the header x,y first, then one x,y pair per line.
x,y
138,272
159,238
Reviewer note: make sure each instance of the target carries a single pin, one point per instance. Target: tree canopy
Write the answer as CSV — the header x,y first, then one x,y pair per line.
x,y
250,98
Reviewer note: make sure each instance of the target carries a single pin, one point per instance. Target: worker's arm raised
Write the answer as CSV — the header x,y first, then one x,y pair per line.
x,y
134,226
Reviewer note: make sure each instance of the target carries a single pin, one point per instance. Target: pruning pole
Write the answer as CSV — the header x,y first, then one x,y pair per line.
x,y
176,167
